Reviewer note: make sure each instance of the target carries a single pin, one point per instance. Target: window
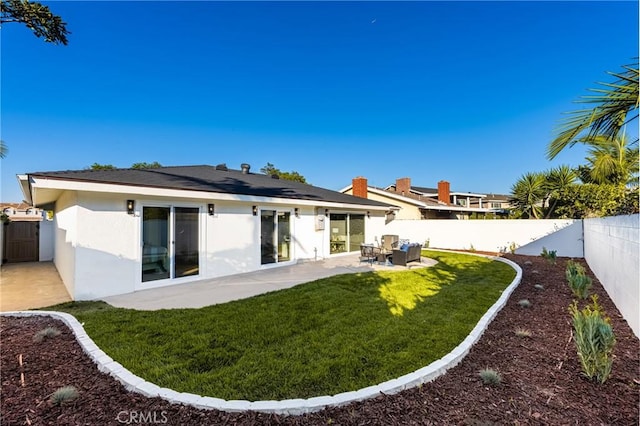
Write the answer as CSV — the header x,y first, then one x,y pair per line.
x,y
496,205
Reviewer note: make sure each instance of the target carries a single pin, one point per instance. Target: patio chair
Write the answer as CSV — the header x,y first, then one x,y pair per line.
x,y
390,243
369,253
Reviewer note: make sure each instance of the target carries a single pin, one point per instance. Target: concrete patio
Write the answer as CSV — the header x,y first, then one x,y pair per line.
x,y
225,289
33,285
30,285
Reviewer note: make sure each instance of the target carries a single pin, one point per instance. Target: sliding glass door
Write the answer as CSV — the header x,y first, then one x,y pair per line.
x,y
347,232
170,242
186,259
155,243
356,231
284,236
267,237
338,239
275,236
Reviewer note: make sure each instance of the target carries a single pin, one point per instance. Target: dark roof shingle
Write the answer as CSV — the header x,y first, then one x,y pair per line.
x,y
208,179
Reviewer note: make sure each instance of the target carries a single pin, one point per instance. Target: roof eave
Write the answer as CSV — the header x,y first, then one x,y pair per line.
x,y
43,182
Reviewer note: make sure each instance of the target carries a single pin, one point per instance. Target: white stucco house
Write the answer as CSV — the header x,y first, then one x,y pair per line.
x,y
123,230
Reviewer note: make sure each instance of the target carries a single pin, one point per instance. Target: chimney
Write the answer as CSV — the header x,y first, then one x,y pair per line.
x,y
245,168
359,187
403,186
444,193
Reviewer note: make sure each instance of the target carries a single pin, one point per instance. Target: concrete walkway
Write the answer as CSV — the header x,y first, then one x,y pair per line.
x,y
30,285
220,290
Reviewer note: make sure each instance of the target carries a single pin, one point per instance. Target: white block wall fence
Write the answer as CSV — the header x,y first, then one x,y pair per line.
x,y
290,406
529,236
612,250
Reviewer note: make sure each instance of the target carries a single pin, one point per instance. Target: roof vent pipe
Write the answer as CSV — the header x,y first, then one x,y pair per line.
x,y
245,168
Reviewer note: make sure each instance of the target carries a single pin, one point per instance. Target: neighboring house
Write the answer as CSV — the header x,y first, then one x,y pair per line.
x,y
20,234
123,230
21,212
416,202
497,202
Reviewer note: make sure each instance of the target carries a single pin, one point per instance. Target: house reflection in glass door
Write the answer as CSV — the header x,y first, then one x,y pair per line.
x,y
275,236
186,241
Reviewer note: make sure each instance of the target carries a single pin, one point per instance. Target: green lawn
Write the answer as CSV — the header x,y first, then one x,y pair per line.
x,y
328,336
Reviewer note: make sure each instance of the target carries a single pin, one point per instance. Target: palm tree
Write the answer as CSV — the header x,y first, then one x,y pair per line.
x,y
37,17
614,102
612,162
557,180
3,149
528,194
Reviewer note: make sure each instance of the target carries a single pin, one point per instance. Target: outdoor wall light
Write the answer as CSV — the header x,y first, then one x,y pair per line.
x,y
255,210
326,212
368,214
131,204
211,208
296,211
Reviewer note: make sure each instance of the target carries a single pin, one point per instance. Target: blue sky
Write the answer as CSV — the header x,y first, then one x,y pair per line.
x,y
468,92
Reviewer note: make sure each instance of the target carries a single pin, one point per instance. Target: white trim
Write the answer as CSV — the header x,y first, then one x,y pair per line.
x,y
468,194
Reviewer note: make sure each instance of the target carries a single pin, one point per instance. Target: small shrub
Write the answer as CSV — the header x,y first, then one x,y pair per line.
x,y
594,339
512,248
63,395
538,286
549,255
578,280
522,332
490,377
426,243
573,269
524,303
472,248
580,285
46,333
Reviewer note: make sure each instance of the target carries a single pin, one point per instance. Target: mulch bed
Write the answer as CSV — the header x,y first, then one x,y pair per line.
x,y
541,378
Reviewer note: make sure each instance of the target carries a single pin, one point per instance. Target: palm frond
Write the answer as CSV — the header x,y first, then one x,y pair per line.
x,y
615,101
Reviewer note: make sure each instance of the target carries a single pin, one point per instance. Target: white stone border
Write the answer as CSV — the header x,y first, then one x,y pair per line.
x,y
288,406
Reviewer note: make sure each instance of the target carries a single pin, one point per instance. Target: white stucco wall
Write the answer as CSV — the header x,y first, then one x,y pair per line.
x,y
562,235
106,247
47,240
565,237
375,227
612,250
65,220
230,240
309,243
98,245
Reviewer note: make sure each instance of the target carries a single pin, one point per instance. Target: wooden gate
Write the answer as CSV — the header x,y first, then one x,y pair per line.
x,y
21,242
